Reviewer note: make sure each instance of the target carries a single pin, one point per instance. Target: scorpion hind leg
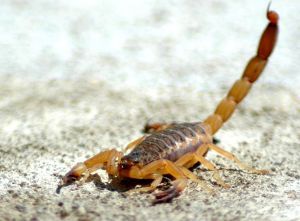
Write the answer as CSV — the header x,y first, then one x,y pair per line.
x,y
134,143
154,127
233,158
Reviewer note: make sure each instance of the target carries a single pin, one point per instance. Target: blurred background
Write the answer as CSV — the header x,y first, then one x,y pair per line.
x,y
80,76
145,44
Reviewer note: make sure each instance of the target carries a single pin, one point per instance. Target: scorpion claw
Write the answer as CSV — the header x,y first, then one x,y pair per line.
x,y
169,194
166,196
79,173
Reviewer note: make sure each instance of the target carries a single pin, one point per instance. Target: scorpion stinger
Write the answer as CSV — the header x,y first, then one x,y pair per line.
x,y
172,149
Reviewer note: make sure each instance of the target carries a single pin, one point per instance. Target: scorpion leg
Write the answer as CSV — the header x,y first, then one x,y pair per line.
x,y
210,166
164,167
154,127
133,144
233,158
186,159
195,179
103,160
157,178
202,150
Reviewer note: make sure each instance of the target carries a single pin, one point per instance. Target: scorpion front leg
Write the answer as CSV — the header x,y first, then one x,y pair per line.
x,y
104,160
157,178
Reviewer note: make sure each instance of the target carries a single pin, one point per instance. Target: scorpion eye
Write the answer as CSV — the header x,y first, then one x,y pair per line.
x,y
126,164
134,157
129,160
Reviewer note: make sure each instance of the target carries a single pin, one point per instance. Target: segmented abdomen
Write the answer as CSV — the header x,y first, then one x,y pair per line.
x,y
170,143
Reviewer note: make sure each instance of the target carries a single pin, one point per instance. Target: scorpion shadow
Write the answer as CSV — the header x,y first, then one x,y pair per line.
x,y
120,185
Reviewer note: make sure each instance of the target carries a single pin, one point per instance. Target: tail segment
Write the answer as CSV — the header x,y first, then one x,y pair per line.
x,y
252,71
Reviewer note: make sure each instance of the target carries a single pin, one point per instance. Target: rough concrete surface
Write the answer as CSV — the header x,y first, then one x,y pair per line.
x,y
80,76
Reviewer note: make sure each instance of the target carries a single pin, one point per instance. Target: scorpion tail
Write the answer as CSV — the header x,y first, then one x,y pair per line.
x,y
252,71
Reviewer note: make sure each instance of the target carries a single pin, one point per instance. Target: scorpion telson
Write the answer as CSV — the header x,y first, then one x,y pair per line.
x,y
171,149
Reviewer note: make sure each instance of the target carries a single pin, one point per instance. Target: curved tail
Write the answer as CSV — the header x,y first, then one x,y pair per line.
x,y
252,71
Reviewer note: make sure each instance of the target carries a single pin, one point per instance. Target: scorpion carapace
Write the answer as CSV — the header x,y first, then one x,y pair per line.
x,y
171,149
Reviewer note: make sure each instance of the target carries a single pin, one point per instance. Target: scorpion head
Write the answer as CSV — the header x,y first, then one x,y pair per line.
x,y
128,163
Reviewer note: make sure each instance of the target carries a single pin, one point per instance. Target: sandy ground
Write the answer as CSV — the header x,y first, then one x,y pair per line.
x,y
77,77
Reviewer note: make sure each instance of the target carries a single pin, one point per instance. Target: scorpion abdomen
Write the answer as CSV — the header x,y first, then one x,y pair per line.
x,y
170,143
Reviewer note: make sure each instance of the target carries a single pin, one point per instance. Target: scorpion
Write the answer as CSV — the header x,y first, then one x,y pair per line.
x,y
172,149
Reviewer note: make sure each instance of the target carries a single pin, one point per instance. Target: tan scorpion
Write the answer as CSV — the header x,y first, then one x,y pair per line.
x,y
171,149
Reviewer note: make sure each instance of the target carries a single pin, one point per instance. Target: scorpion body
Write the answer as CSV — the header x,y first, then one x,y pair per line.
x,y
171,149
170,143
